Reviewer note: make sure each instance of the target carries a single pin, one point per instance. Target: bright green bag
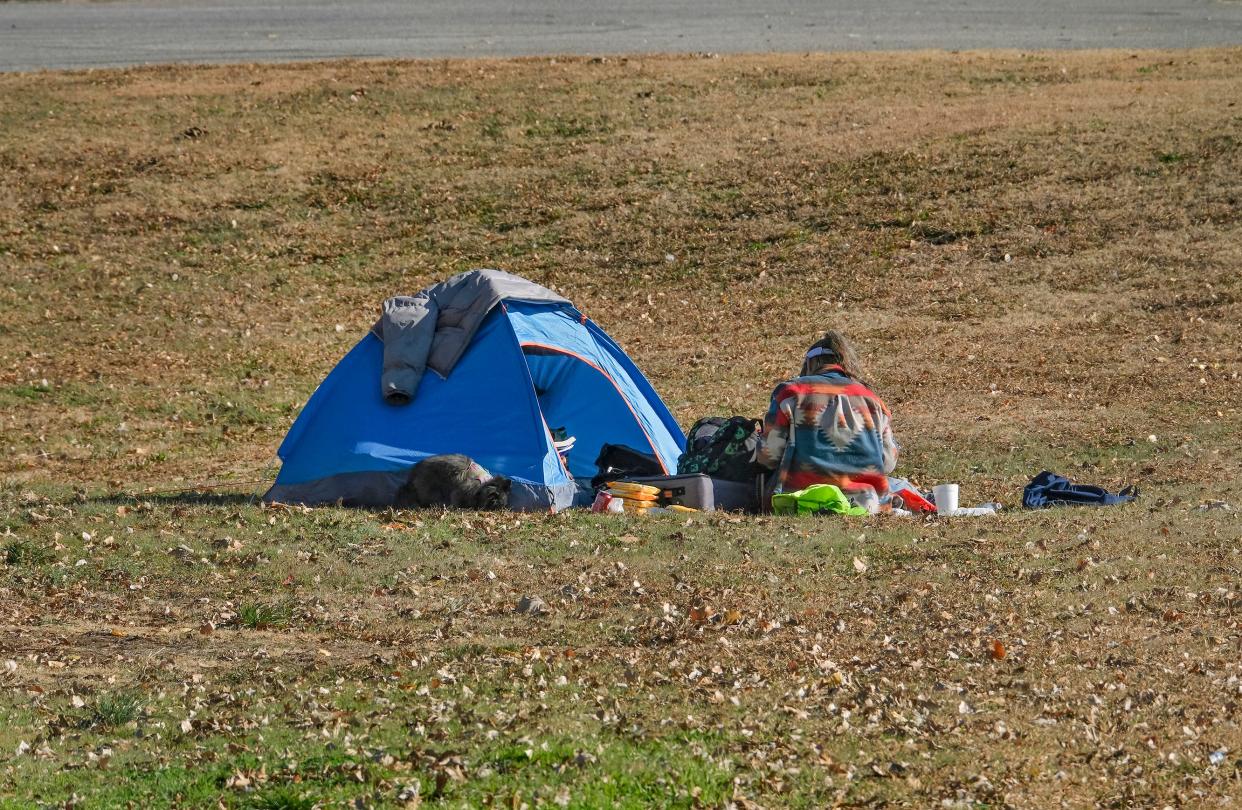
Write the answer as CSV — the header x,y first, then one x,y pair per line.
x,y
816,499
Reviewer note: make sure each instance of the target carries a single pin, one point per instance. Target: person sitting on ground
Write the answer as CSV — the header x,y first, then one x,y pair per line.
x,y
826,426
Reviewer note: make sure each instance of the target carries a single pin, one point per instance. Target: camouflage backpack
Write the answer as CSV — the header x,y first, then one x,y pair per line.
x,y
721,447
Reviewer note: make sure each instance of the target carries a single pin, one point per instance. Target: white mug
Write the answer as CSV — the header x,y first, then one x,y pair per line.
x,y
946,498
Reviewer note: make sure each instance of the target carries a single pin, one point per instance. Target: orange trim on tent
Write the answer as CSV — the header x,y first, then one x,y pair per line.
x,y
608,377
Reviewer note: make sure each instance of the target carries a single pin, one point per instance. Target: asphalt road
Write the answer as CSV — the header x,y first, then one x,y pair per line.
x,y
35,35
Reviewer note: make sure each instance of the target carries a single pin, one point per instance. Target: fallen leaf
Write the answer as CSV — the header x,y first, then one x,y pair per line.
x,y
410,795
998,650
531,606
860,566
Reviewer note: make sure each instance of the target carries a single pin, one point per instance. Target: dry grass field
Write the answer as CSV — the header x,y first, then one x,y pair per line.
x,y
1038,255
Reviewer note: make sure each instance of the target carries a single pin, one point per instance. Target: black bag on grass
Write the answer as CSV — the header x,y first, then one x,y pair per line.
x,y
618,461
721,447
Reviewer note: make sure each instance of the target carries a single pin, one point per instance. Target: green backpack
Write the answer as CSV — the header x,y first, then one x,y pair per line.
x,y
721,447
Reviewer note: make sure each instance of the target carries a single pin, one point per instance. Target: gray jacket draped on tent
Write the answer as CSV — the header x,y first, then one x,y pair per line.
x,y
433,328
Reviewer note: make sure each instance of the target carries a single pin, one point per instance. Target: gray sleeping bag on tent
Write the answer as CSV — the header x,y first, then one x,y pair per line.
x,y
433,328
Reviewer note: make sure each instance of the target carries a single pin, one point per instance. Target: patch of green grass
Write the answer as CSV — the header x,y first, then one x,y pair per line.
x,y
568,127
27,391
214,234
470,650
281,797
145,784
26,552
673,771
61,576
56,394
493,127
264,615
665,772
113,709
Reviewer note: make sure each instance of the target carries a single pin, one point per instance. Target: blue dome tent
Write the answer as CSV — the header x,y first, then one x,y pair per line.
x,y
527,363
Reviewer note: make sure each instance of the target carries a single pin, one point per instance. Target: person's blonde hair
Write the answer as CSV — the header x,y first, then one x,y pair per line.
x,y
839,352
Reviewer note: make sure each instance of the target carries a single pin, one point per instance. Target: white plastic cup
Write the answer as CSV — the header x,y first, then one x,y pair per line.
x,y
946,498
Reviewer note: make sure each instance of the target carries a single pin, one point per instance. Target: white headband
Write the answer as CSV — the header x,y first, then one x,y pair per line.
x,y
819,351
